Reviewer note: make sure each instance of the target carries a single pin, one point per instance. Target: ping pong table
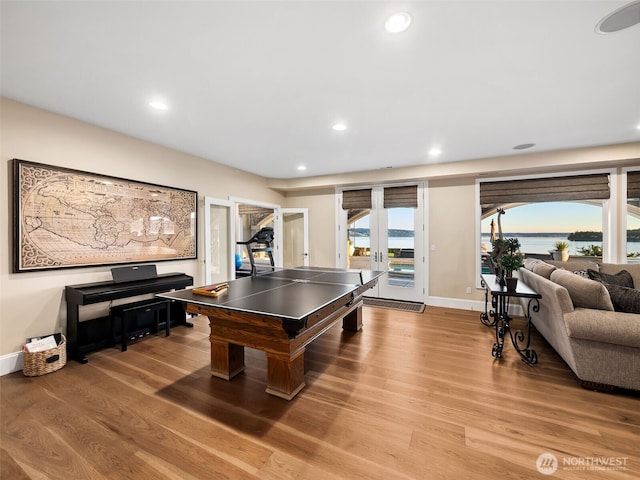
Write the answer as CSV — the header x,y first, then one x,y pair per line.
x,y
279,313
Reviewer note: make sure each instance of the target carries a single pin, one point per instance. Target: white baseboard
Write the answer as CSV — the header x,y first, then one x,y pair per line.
x,y
11,362
458,303
473,305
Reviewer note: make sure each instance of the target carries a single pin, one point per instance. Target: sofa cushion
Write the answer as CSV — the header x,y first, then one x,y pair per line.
x,y
622,278
559,301
615,328
624,299
584,292
543,269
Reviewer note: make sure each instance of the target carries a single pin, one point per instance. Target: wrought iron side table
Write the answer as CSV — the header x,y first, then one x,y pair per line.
x,y
499,318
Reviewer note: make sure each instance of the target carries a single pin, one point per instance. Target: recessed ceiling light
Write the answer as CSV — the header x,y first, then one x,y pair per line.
x,y
158,105
624,17
339,127
524,146
302,168
434,152
398,22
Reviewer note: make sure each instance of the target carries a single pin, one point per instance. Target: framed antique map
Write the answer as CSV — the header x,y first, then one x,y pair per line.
x,y
68,218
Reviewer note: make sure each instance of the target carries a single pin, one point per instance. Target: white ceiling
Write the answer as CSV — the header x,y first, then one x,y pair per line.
x,y
257,84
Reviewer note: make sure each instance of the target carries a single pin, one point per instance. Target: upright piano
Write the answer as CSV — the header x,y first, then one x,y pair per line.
x,y
93,334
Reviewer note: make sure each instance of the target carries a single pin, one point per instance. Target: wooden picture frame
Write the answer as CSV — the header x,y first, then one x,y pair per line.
x,y
66,218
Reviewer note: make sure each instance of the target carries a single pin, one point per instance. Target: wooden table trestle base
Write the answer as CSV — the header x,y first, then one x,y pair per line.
x,y
279,313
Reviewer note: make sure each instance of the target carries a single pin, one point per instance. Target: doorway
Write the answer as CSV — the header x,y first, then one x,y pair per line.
x,y
384,228
295,237
250,217
229,221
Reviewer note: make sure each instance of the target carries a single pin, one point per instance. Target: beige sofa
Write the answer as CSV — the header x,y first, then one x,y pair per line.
x,y
577,317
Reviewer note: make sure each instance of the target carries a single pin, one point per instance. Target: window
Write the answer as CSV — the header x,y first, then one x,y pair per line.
x,y
543,211
540,225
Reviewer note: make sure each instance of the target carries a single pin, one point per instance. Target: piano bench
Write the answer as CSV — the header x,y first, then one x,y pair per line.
x,y
129,311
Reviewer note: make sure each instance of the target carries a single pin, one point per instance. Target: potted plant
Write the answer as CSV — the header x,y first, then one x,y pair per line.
x,y
561,252
511,261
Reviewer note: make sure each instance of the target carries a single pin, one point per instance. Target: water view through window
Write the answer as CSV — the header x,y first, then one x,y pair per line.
x,y
540,226
400,244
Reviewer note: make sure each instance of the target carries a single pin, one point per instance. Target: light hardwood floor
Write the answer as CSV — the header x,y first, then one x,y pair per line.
x,y
412,396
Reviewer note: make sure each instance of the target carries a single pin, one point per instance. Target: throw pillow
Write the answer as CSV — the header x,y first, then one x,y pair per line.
x,y
622,278
624,299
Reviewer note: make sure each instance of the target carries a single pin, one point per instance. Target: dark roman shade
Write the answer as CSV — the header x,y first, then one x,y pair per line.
x,y
535,190
633,185
356,199
405,196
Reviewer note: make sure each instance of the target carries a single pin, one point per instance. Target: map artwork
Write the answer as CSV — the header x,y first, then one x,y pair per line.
x,y
69,218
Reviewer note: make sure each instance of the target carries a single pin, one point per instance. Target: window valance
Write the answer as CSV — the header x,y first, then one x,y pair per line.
x,y
356,199
534,190
405,196
633,185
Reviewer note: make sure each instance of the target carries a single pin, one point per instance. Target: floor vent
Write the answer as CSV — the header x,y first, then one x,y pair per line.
x,y
395,305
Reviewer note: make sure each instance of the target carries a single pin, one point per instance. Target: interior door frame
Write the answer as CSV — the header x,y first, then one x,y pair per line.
x,y
305,226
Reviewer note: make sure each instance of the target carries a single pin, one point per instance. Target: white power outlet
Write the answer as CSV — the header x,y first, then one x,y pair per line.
x,y
469,290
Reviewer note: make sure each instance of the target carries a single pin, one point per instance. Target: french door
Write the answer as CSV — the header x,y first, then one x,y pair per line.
x,y
219,264
387,234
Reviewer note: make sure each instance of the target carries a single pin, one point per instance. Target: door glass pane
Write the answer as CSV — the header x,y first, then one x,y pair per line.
x,y
219,244
401,247
359,239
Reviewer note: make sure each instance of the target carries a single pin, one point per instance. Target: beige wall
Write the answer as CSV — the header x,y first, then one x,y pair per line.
x,y
322,223
452,223
32,303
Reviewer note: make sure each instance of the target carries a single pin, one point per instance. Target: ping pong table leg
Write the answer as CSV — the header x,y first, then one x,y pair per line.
x,y
227,359
285,374
352,321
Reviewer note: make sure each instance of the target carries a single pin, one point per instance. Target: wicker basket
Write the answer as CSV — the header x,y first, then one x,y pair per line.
x,y
35,364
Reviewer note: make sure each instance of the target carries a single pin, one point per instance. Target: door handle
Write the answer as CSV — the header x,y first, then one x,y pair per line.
x,y
375,257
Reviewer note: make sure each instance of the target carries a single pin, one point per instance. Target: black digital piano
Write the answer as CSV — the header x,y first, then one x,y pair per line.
x,y
92,334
